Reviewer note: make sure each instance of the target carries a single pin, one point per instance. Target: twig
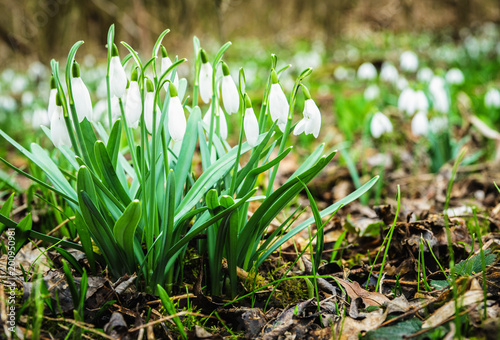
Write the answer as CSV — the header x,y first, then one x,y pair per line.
x,y
166,318
82,325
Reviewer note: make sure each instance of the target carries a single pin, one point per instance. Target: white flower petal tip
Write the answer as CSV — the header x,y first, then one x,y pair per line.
x,y
206,91
230,96
409,61
379,125
278,106
133,105
251,127
367,71
311,123
420,124
81,98
117,78
176,119
58,131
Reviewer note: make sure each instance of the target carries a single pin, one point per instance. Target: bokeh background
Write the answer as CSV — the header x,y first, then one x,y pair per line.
x,y
45,29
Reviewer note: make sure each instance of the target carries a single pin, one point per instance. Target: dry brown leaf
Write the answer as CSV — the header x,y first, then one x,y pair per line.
x,y
352,328
354,290
469,298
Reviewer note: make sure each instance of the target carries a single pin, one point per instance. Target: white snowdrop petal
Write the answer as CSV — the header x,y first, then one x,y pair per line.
x,y
206,91
117,78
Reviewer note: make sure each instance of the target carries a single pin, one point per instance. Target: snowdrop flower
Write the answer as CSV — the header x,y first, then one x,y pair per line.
x,y
454,76
18,84
81,95
148,108
389,73
229,92
133,103
116,112
372,92
165,64
27,98
278,104
439,94
411,101
341,73
222,121
58,130
367,71
8,103
52,98
409,61
420,124
176,118
117,76
311,123
402,83
380,124
39,118
492,99
250,123
425,75
438,124
206,91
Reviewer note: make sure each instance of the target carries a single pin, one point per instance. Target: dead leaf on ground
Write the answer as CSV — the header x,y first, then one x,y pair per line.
x,y
354,290
352,328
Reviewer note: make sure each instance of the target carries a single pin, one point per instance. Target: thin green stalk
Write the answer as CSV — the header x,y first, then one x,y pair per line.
x,y
483,262
450,243
387,242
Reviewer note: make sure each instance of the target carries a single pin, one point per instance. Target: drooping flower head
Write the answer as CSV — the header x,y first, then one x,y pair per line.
x,y
81,95
311,123
250,123
206,90
372,92
133,103
389,73
117,76
454,76
52,97
58,130
278,104
492,99
409,61
367,71
439,94
379,125
148,107
425,75
411,101
176,118
222,121
165,64
229,91
420,124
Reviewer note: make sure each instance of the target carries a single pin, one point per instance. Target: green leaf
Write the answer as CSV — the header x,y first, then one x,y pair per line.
x,y
113,146
125,226
209,177
332,208
183,166
398,331
212,201
5,211
23,231
71,284
169,306
109,176
70,258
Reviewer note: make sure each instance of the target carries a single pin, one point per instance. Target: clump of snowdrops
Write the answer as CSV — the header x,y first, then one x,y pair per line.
x,y
136,201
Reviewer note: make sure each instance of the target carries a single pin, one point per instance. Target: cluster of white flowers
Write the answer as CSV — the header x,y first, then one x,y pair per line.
x,y
126,94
